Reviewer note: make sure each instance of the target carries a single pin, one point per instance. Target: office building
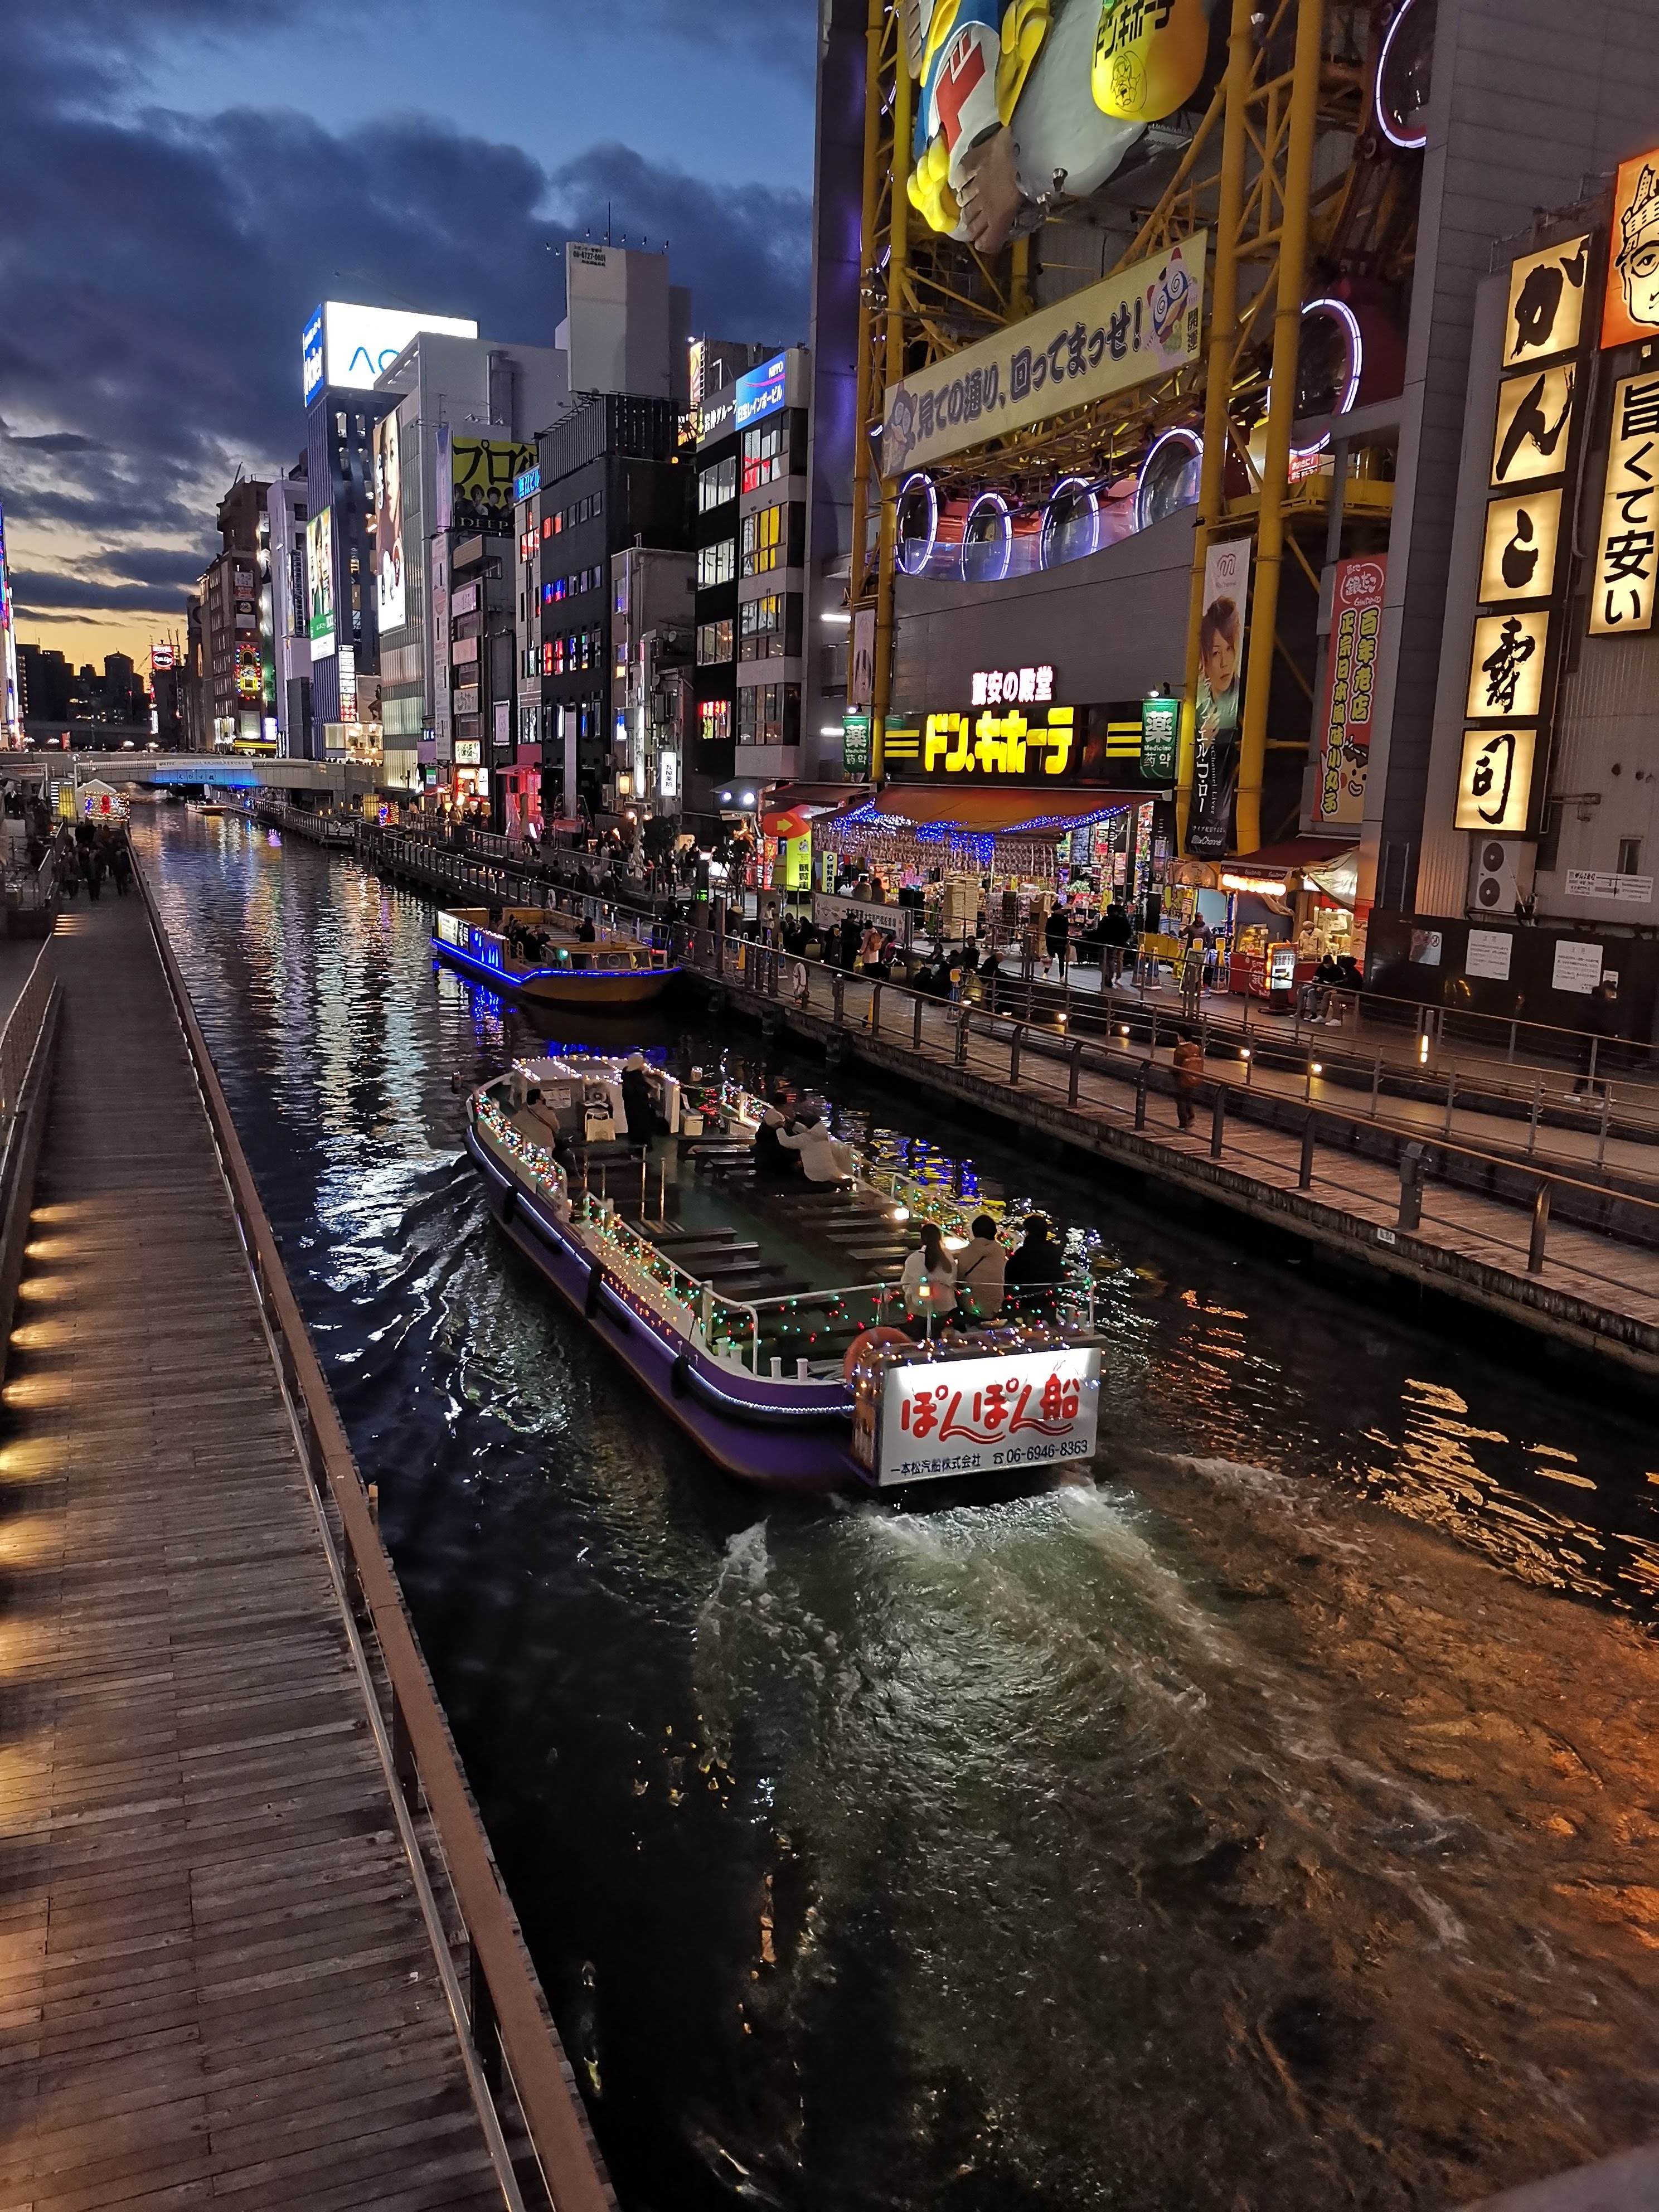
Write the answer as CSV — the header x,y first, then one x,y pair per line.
x,y
613,473
459,431
652,630
239,677
289,610
717,366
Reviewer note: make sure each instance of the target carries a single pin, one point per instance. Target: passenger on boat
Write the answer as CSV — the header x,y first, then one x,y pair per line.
x,y
1033,1274
638,1104
587,934
979,1270
772,1162
928,1283
823,1158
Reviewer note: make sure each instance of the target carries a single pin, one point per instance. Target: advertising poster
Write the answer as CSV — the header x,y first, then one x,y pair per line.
x,y
482,473
1139,324
1218,708
1630,307
1494,782
319,583
1345,745
389,525
861,668
1621,595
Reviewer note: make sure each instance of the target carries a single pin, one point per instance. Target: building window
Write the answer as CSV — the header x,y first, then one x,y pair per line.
x,y
765,455
762,629
1630,856
717,484
547,668
714,721
548,526
717,564
769,714
763,540
714,643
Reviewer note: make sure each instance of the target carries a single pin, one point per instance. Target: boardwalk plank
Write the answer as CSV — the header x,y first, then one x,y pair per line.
x,y
218,1982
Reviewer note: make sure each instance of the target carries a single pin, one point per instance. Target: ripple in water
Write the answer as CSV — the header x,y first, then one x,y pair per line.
x,y
1263,1825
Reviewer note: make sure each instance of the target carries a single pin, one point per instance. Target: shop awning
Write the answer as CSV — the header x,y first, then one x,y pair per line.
x,y
789,807
1023,811
1302,853
1332,864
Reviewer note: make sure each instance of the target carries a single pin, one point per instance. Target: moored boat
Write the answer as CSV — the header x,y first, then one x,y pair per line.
x,y
737,1308
537,956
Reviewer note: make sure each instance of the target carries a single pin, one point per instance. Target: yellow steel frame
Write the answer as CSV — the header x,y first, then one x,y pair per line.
x,y
1247,176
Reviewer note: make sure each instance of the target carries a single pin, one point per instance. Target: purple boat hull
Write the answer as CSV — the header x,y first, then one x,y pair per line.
x,y
798,1436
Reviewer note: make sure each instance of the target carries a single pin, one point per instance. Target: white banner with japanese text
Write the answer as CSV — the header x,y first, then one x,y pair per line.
x,y
1139,324
969,1416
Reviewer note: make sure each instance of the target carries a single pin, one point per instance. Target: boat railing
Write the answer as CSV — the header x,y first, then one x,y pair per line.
x,y
879,1294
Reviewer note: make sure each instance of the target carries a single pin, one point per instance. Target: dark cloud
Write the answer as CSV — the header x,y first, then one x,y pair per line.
x,y
40,593
156,271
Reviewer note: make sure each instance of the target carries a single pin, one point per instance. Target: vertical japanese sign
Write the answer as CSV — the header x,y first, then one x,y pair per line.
x,y
1621,596
1515,642
1219,701
1345,744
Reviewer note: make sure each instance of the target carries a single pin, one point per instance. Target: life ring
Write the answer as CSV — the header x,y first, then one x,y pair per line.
x,y
871,1340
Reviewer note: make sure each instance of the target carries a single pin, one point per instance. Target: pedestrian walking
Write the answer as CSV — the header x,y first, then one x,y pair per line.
x,y
1056,936
1188,1074
1192,976
1601,1023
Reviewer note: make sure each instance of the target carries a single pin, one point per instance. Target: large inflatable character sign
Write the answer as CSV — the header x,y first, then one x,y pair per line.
x,y
1019,98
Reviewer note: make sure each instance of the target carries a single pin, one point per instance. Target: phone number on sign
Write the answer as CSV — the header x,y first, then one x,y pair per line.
x,y
976,1463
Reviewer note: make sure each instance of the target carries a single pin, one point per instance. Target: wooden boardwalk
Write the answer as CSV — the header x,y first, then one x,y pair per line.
x,y
215,1978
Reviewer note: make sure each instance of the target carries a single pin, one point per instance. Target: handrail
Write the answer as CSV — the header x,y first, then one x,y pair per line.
x,y
507,2004
1105,1058
22,1030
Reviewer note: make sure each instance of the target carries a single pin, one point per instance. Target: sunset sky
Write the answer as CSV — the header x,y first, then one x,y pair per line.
x,y
182,189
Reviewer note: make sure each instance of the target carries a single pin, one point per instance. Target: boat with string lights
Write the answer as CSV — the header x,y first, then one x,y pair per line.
x,y
764,1313
525,953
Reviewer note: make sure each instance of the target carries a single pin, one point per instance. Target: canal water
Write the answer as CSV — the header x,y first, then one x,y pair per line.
x,y
1267,1821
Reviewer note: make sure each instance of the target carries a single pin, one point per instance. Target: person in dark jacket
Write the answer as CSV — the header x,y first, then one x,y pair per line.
x,y
1034,1273
1056,936
638,1104
587,934
1600,1023
772,1162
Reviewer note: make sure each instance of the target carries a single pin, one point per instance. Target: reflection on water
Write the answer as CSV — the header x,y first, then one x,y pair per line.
x,y
1264,1824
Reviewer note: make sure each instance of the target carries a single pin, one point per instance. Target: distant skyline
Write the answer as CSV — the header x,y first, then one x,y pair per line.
x,y
181,194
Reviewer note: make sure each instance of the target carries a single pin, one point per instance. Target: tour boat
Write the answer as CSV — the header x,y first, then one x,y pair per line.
x,y
610,973
761,1318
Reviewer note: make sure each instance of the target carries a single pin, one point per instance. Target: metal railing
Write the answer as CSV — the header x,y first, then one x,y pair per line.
x,y
22,1032
1532,1189
504,2013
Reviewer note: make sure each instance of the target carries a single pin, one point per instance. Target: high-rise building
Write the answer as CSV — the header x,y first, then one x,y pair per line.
x,y
12,704
459,430
289,622
652,632
613,473
234,645
345,349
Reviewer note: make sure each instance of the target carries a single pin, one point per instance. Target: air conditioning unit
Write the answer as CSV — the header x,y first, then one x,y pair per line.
x,y
1501,871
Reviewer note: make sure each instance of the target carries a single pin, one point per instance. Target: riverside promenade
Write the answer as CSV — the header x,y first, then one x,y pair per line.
x,y
232,1960
1573,1261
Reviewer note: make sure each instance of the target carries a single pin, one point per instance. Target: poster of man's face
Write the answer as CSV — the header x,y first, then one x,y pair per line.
x,y
1630,307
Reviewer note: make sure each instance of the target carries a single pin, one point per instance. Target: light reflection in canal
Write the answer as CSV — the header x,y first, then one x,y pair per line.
x,y
1267,1824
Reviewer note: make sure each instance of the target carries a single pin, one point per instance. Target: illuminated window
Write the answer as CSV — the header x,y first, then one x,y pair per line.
x,y
547,668
769,714
713,643
716,564
762,629
716,485
714,721
765,456
763,540
547,526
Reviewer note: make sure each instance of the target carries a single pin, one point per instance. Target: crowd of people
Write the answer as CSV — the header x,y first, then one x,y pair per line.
x,y
90,854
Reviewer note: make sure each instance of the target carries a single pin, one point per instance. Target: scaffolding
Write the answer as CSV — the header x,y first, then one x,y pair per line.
x,y
1284,168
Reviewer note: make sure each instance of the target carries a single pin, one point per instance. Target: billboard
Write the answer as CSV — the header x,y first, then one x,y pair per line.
x,y
1630,307
1621,601
1007,742
1141,323
1216,711
761,391
967,1416
319,583
345,347
390,596
483,474
1345,738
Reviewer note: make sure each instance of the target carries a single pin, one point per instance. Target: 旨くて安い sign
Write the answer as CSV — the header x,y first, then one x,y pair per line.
x,y
965,1416
1140,324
